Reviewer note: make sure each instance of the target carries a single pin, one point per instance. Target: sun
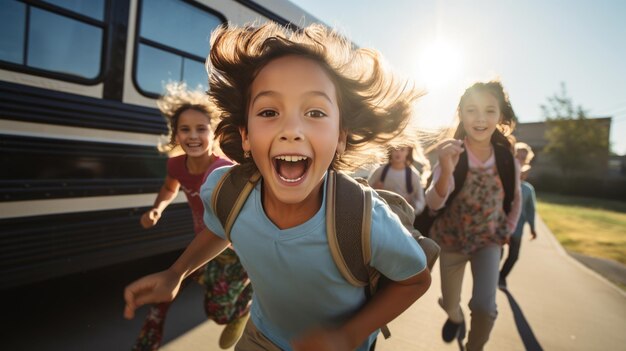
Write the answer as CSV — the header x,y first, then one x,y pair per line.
x,y
440,64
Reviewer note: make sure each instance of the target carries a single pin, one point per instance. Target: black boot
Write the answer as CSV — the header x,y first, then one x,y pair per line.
x,y
452,331
502,282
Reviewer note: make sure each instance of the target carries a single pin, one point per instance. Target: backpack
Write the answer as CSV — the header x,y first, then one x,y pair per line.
x,y
506,170
348,219
407,177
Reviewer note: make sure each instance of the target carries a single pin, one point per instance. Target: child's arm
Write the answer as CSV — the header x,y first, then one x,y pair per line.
x,y
390,301
530,213
168,192
163,286
449,152
443,180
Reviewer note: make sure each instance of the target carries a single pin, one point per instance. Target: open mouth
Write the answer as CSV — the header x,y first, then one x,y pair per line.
x,y
480,129
291,168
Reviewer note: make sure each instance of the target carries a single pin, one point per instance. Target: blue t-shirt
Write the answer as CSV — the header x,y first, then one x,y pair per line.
x,y
296,283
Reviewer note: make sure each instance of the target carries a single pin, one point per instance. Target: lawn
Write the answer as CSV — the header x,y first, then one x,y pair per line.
x,y
592,227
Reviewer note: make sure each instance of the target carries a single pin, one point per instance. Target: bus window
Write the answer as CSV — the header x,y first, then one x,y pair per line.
x,y
60,38
91,8
173,43
12,20
79,54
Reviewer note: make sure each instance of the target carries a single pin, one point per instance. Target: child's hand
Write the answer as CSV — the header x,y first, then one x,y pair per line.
x,y
153,288
150,218
322,340
449,152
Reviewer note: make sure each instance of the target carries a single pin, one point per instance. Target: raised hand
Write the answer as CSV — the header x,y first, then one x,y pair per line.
x,y
150,218
449,151
159,287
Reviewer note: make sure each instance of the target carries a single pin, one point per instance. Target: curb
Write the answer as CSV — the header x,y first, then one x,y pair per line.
x,y
575,262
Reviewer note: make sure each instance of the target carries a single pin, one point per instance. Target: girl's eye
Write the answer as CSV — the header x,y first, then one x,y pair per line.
x,y
315,114
268,113
183,129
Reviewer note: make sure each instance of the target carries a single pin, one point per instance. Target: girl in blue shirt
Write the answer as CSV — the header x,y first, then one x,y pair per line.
x,y
296,104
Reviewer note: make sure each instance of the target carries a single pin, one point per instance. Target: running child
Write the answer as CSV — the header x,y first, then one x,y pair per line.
x,y
476,186
400,176
191,118
297,105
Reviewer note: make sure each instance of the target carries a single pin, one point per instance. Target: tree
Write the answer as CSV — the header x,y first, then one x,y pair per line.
x,y
574,141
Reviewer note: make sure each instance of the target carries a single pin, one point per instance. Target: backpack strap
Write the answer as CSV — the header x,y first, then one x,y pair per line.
x,y
231,193
408,177
383,175
460,173
345,235
506,171
348,226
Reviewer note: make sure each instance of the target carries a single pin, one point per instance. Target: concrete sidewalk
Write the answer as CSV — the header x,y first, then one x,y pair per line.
x,y
553,303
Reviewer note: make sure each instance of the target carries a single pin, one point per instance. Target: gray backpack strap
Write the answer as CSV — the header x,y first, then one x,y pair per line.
x,y
348,226
230,194
344,227
366,243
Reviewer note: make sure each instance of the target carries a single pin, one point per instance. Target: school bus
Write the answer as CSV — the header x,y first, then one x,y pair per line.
x,y
79,127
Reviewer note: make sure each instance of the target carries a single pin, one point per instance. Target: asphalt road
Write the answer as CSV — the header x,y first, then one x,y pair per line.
x,y
84,311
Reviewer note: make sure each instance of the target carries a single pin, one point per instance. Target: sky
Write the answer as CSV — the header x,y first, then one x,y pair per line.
x,y
532,46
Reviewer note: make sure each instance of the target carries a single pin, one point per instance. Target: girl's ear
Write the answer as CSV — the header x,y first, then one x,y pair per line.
x,y
245,144
341,144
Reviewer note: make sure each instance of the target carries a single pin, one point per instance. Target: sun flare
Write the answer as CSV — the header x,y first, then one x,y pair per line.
x,y
440,64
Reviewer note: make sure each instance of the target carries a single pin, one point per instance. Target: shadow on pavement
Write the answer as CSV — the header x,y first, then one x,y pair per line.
x,y
523,328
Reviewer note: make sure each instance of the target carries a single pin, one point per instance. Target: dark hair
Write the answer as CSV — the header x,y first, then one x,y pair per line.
x,y
374,109
409,158
505,126
176,100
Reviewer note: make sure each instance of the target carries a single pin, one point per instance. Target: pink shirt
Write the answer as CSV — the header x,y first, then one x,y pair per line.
x,y
436,202
190,184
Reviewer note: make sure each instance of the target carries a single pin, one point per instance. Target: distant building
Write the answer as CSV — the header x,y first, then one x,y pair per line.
x,y
617,166
534,133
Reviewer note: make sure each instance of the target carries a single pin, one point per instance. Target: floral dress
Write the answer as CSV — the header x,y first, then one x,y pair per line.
x,y
475,218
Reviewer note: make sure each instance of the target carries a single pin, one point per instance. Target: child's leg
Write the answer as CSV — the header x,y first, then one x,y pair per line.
x,y
242,305
151,333
228,290
484,263
452,266
514,246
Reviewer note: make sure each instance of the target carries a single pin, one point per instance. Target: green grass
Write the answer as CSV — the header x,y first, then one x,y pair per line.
x,y
592,227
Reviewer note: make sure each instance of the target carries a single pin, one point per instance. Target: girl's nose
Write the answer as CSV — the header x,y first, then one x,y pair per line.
x,y
291,128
